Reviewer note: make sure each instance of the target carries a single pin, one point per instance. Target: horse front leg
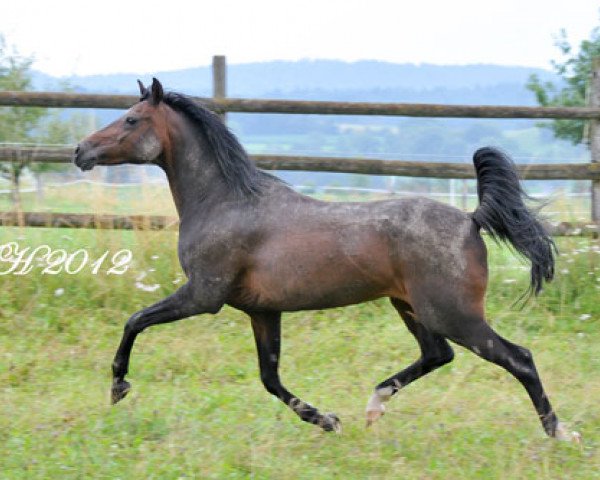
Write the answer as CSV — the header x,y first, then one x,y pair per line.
x,y
267,333
181,304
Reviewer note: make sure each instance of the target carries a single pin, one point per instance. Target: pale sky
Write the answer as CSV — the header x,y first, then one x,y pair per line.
x,y
108,36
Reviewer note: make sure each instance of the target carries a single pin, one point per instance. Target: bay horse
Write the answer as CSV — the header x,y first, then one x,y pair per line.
x,y
248,240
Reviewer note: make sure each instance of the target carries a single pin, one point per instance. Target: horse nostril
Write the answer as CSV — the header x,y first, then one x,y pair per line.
x,y
77,149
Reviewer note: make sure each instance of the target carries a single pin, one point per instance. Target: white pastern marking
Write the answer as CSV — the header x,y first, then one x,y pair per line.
x,y
375,407
563,434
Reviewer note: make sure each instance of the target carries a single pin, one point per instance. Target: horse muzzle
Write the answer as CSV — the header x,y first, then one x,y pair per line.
x,y
84,157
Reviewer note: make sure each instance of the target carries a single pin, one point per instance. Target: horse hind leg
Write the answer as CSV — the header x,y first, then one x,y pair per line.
x,y
518,361
466,326
435,352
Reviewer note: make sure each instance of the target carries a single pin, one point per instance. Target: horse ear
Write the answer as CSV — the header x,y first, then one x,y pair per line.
x,y
143,91
157,91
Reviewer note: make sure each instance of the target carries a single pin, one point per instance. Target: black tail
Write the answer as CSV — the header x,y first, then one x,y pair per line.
x,y
503,213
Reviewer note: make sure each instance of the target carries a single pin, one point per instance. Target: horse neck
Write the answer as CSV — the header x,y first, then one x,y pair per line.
x,y
192,172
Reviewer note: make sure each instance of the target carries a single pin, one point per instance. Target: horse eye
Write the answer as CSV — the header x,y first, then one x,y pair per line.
x,y
131,120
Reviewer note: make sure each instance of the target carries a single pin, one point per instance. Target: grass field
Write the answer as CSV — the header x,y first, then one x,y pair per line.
x,y
198,410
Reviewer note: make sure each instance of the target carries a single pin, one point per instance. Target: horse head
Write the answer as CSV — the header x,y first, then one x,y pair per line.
x,y
137,137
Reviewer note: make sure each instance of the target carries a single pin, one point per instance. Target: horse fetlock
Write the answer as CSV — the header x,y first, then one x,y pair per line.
x,y
305,410
120,389
328,421
118,370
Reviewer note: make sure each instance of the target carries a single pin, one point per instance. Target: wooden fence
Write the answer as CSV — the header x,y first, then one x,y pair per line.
x,y
222,104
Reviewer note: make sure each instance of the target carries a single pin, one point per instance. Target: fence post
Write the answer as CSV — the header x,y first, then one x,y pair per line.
x,y
594,101
219,69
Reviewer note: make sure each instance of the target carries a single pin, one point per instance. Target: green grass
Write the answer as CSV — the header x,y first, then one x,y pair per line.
x,y
149,199
198,410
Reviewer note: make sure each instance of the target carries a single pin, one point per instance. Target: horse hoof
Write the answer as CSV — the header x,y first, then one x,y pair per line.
x,y
373,415
375,408
564,434
119,391
331,423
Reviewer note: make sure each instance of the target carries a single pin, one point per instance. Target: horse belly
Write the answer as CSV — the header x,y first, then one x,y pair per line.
x,y
307,274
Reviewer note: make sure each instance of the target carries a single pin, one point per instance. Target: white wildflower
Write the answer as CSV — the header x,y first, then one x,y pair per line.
x,y
58,292
585,316
154,257
147,288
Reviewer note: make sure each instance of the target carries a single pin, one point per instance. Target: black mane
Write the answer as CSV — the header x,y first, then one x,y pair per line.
x,y
239,172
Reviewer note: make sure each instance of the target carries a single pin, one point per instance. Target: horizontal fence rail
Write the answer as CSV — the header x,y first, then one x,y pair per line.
x,y
242,105
403,168
87,220
367,166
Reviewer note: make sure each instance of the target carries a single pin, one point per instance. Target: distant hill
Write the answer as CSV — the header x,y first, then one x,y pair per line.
x,y
368,81
319,77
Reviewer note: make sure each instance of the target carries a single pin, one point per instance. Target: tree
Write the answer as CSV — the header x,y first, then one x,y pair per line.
x,y
575,71
27,125
17,124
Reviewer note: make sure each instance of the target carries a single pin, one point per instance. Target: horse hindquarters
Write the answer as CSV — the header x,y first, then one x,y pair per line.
x,y
448,303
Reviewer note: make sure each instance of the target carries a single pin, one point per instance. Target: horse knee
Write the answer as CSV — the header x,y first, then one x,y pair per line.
x,y
134,324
